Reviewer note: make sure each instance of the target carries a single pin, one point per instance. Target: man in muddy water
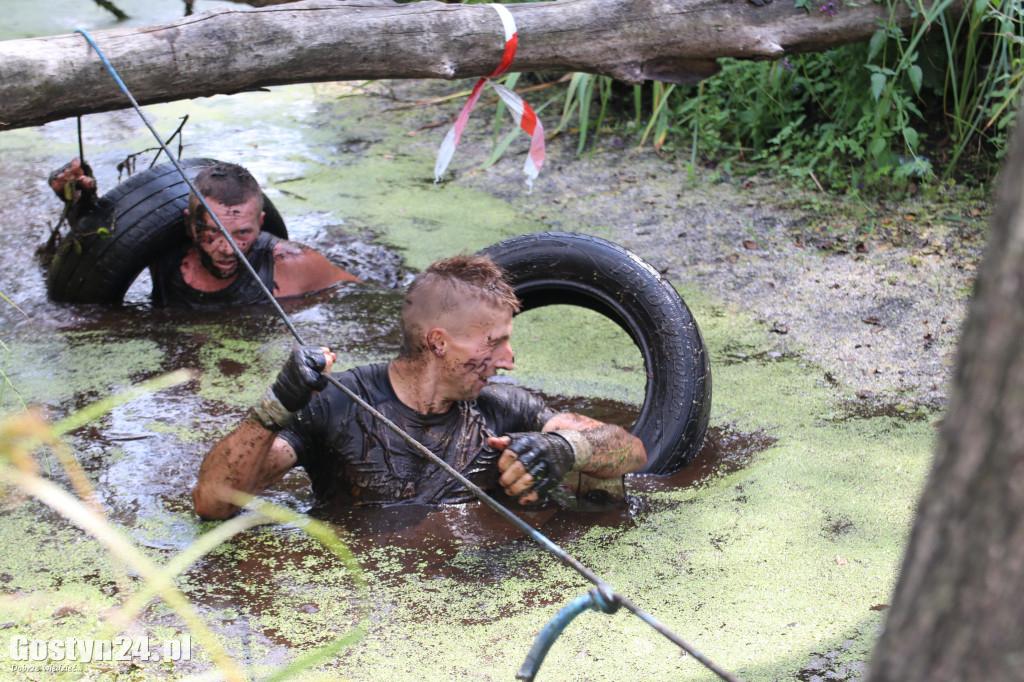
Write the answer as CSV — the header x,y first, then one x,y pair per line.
x,y
456,328
206,271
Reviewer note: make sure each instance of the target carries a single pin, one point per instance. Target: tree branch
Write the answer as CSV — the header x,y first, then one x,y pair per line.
x,y
235,49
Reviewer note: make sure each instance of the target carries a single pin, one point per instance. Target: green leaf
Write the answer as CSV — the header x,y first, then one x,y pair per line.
x,y
910,135
876,44
877,85
914,72
499,149
880,69
877,147
585,98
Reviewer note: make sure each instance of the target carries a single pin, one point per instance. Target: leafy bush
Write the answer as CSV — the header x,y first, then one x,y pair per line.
x,y
875,114
900,108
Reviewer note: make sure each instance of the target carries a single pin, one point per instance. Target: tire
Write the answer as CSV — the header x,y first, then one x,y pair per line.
x,y
563,268
144,218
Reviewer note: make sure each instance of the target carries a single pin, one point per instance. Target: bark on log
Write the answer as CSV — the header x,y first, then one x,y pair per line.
x,y
957,613
234,49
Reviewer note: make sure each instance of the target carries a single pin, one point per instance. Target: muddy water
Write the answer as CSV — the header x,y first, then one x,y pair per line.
x,y
431,554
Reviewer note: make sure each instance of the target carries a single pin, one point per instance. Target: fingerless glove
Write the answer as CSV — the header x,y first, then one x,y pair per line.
x,y
301,375
548,457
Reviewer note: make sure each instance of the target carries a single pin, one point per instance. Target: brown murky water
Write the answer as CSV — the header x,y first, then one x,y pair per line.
x,y
422,543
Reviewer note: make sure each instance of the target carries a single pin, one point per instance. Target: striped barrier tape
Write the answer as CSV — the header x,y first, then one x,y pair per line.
x,y
521,112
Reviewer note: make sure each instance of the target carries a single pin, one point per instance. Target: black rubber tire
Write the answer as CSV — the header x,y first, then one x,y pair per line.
x,y
144,218
575,269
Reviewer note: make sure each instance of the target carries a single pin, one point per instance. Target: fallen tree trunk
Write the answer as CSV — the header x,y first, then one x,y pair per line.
x,y
231,50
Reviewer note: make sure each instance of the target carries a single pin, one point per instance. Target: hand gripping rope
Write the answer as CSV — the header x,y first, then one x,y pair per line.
x,y
602,598
524,116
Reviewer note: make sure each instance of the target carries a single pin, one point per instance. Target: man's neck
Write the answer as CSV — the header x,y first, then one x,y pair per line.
x,y
415,385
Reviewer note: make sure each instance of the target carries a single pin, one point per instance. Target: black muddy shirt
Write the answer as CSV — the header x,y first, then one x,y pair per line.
x,y
169,287
352,458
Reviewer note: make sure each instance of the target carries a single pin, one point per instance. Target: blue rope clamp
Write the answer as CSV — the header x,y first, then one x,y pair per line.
x,y
600,598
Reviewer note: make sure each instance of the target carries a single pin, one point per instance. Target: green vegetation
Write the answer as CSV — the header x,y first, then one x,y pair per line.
x,y
880,114
937,102
22,437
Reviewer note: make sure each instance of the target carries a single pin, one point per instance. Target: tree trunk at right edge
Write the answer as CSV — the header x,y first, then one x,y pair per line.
x,y
958,609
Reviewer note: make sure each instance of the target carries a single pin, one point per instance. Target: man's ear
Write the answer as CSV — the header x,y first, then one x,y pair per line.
x,y
437,341
262,216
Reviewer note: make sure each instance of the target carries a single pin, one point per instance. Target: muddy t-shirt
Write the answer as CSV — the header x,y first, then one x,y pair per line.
x,y
351,457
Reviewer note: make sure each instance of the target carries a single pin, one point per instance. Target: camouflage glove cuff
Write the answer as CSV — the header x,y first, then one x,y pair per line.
x,y
301,375
581,448
270,413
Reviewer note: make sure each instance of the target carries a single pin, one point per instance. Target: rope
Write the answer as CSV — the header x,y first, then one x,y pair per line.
x,y
81,148
599,598
607,596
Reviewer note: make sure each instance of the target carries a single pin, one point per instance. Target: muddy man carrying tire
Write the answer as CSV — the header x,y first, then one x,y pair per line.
x,y
152,221
456,334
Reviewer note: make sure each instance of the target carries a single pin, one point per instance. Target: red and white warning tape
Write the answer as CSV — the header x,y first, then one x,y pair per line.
x,y
524,116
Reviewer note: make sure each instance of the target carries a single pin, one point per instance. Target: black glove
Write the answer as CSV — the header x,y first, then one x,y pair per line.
x,y
300,376
548,457
296,381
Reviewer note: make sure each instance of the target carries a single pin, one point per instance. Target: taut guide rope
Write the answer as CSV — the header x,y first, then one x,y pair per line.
x,y
601,597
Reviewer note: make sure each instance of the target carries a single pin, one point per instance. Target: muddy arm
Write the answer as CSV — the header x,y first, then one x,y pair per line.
x,y
252,457
613,450
249,459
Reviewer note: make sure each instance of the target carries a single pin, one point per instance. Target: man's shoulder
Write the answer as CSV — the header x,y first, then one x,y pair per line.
x,y
301,269
376,372
288,252
333,408
369,382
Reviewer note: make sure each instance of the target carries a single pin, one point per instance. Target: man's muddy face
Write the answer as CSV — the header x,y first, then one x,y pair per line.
x,y
478,347
243,224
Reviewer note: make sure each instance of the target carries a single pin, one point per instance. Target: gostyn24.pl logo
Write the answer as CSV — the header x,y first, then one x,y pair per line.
x,y
121,648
